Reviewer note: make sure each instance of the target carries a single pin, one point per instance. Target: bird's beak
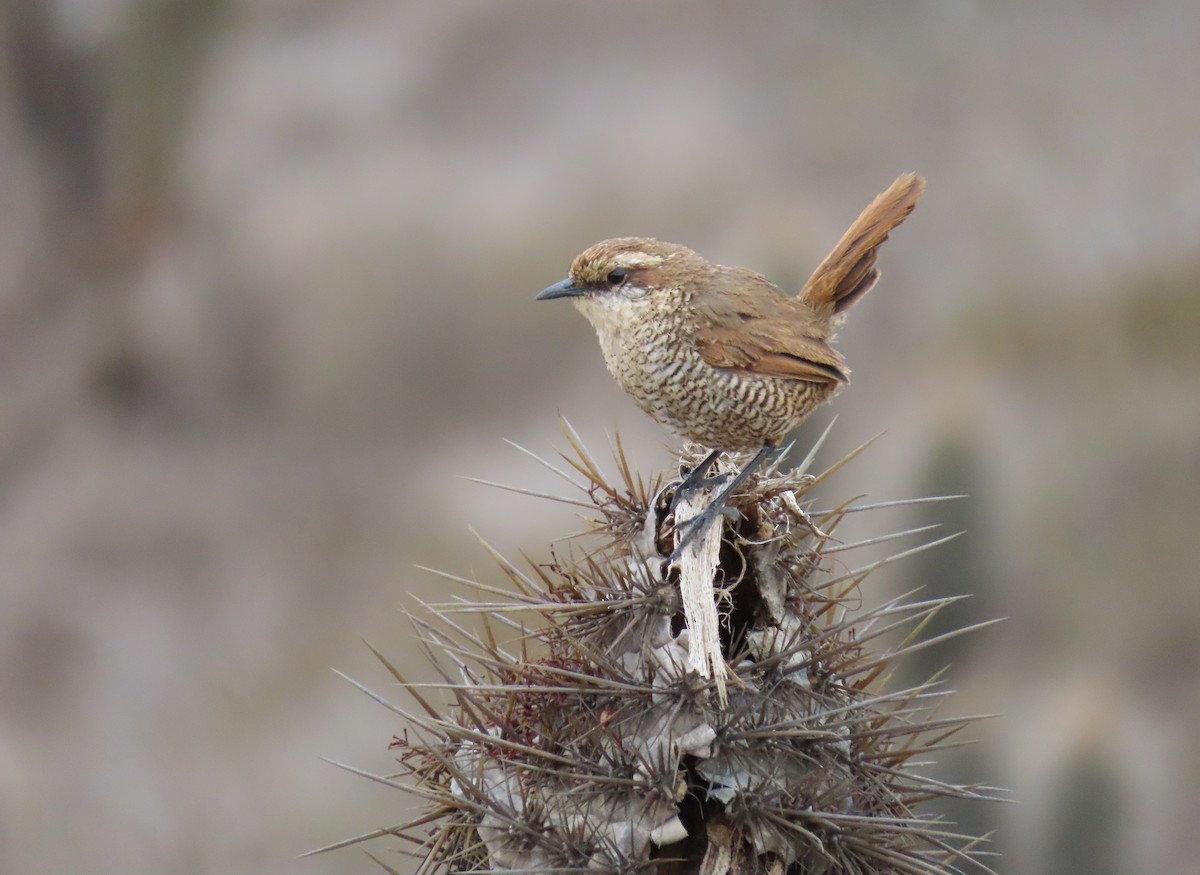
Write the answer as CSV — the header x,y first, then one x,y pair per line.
x,y
564,289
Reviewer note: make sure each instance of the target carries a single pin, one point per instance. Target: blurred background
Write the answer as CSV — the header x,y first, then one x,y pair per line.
x,y
266,292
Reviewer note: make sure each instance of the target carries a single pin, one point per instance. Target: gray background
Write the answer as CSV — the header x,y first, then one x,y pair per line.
x,y
266,290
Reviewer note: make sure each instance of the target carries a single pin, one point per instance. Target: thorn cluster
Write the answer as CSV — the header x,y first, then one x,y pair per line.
x,y
578,738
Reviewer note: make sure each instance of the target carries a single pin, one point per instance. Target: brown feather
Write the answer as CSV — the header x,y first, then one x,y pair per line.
x,y
849,272
747,325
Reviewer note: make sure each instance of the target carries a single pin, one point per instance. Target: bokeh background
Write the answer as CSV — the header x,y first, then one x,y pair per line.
x,y
266,292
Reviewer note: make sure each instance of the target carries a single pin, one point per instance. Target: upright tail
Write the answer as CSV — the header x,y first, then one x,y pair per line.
x,y
849,271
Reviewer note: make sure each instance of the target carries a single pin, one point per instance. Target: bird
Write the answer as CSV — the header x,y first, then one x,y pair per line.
x,y
718,354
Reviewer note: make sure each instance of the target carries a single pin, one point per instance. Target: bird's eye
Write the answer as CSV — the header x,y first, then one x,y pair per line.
x,y
616,276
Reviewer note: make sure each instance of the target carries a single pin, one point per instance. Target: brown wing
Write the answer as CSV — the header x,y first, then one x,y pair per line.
x,y
747,325
849,271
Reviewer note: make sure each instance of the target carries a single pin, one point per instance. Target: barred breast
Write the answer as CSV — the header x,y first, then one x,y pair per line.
x,y
656,362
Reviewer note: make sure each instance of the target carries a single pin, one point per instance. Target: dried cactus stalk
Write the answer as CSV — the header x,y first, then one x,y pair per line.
x,y
589,742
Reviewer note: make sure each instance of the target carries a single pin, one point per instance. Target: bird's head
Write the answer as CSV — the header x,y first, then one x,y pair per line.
x,y
620,278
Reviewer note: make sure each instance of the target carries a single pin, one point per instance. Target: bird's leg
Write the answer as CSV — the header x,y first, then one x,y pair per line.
x,y
699,523
697,477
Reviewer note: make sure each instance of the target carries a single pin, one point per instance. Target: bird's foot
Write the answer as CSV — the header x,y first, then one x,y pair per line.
x,y
698,478
688,530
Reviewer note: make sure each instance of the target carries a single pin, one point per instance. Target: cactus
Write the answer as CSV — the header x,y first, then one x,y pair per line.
x,y
583,734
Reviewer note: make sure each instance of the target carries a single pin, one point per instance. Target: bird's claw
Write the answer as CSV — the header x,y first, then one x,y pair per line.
x,y
697,477
716,481
689,530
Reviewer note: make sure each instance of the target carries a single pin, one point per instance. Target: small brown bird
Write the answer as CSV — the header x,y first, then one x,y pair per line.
x,y
718,354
